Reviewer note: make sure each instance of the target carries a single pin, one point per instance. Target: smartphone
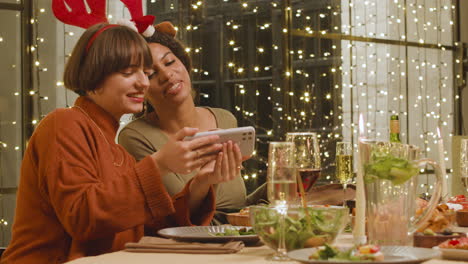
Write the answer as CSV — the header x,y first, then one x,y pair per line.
x,y
243,136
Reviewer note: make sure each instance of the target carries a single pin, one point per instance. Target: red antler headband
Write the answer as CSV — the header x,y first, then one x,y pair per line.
x,y
73,12
142,22
78,15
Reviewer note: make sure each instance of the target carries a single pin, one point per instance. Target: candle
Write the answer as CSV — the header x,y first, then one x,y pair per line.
x,y
359,232
440,144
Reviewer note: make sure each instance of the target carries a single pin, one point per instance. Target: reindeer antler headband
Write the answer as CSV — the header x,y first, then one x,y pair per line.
x,y
73,12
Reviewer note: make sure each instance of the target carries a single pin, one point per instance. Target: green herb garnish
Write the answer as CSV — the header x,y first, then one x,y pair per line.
x,y
236,232
328,252
332,253
388,167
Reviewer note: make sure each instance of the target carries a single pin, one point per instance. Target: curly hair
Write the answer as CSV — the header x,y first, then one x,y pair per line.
x,y
174,45
177,48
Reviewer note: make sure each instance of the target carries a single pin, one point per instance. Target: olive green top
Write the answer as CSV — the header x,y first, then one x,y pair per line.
x,y
141,137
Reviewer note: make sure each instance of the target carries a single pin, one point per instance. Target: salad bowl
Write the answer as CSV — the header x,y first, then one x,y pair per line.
x,y
303,227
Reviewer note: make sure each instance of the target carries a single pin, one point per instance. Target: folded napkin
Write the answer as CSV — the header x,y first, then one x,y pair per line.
x,y
163,245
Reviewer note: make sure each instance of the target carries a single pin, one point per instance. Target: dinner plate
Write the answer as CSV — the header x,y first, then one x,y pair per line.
x,y
206,234
455,254
392,254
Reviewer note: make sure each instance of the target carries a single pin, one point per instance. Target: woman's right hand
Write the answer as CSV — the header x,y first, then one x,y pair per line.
x,y
181,156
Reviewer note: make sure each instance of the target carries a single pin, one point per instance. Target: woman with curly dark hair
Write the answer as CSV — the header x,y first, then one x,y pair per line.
x,y
170,106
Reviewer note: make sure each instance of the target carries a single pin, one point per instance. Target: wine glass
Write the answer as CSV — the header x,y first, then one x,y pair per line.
x,y
281,178
464,163
344,165
307,156
281,187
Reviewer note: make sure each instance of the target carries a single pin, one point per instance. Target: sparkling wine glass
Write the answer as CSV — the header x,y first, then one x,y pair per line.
x,y
307,156
281,180
464,163
281,187
344,165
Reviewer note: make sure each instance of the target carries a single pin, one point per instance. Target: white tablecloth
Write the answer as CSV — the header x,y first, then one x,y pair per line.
x,y
248,255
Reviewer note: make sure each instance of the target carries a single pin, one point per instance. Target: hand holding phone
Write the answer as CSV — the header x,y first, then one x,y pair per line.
x,y
244,137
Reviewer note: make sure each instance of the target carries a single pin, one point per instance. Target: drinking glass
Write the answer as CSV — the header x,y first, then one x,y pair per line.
x,y
344,165
464,163
281,187
307,157
281,173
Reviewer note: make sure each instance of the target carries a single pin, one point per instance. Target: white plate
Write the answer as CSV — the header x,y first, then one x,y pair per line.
x,y
206,234
456,254
392,254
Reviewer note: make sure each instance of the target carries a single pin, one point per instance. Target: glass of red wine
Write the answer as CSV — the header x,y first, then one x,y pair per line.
x,y
307,155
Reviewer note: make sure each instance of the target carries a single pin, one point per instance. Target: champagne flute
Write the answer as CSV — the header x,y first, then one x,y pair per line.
x,y
344,165
307,156
281,178
464,163
281,187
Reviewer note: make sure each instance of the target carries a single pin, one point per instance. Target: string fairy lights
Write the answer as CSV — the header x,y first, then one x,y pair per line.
x,y
43,51
415,74
11,123
348,57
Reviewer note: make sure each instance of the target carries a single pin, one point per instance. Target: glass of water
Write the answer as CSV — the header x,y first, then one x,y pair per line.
x,y
281,186
281,178
464,163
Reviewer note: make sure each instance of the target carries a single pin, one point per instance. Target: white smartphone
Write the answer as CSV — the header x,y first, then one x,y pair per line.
x,y
243,136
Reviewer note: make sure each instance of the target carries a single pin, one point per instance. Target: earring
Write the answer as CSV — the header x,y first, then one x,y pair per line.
x,y
145,106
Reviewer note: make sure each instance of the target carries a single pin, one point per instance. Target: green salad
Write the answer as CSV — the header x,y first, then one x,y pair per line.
x,y
388,167
323,227
236,232
331,253
362,253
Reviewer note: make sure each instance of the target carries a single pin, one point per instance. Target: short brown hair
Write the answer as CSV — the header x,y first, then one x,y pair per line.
x,y
112,51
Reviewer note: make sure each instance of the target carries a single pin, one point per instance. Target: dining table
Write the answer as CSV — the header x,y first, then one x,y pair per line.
x,y
248,255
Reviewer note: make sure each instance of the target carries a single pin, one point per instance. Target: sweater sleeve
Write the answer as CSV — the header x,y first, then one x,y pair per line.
x,y
135,143
205,213
91,196
90,206
156,197
90,209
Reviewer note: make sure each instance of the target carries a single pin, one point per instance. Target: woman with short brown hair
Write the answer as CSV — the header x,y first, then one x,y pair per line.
x,y
85,73
80,193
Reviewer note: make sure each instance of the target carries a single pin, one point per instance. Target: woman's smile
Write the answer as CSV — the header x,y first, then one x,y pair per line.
x,y
174,89
137,97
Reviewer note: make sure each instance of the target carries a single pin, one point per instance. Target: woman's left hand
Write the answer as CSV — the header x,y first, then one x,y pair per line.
x,y
225,168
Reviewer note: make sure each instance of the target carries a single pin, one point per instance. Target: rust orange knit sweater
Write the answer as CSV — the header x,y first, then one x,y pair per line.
x,y
81,194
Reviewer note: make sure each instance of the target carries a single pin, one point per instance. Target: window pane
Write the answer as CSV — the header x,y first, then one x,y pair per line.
x,y
11,1
10,115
